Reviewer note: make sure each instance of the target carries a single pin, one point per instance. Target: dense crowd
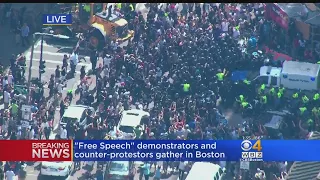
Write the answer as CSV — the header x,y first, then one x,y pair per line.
x,y
177,67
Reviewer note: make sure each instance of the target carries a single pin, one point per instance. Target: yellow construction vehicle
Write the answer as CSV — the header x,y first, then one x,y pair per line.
x,y
106,26
102,27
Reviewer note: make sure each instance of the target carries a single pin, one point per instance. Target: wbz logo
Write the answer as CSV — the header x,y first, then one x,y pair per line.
x,y
251,155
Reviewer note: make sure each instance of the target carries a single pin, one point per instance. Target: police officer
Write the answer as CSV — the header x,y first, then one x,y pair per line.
x,y
315,112
261,89
241,99
272,95
263,101
303,111
245,108
310,125
272,92
186,88
119,5
315,99
246,82
281,89
305,100
220,75
278,99
86,10
131,7
295,95
295,100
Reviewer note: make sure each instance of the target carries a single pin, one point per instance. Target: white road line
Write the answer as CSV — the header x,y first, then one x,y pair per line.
x,y
53,53
49,68
55,62
28,55
37,44
56,46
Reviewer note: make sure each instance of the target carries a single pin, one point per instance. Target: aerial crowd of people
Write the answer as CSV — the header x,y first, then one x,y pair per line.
x,y
178,67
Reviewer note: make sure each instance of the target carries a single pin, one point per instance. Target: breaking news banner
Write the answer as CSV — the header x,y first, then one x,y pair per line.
x,y
159,150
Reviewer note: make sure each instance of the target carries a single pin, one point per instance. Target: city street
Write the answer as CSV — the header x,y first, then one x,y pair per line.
x,y
53,52
53,55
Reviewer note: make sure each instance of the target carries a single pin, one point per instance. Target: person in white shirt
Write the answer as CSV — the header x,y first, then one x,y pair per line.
x,y
59,86
31,133
182,168
107,60
10,175
64,133
225,25
10,79
5,82
6,99
74,59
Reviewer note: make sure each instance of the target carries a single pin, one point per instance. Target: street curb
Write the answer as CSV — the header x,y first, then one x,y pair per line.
x,y
6,70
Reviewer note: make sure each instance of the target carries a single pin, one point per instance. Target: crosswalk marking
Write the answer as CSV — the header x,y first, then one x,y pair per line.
x,y
58,61
49,68
54,53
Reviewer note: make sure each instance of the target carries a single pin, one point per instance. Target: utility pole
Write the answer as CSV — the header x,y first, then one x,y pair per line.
x,y
30,68
41,60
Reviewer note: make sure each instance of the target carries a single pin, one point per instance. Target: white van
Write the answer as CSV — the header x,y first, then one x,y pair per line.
x,y
205,171
293,75
130,119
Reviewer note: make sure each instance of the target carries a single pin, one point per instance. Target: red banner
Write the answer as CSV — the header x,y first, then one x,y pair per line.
x,y
274,12
36,150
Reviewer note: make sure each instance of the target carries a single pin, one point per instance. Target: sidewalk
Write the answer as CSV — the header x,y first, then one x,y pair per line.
x,y
7,44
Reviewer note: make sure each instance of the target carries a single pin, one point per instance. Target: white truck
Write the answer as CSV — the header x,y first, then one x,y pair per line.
x,y
292,75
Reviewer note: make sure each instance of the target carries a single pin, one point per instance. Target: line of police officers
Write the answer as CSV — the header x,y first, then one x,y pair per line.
x,y
304,107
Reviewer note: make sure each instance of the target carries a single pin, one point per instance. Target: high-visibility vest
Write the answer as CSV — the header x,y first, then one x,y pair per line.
x,y
262,88
86,8
302,110
316,96
131,6
272,91
186,87
264,99
246,82
220,76
305,99
295,95
310,121
281,90
241,98
119,5
244,104
279,95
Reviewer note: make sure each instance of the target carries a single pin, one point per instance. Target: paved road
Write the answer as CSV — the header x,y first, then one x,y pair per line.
x,y
53,55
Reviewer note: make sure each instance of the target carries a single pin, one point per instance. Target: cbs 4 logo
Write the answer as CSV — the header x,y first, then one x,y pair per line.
x,y
247,145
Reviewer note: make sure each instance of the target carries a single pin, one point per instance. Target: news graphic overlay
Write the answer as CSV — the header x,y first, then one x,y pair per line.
x,y
57,19
45,151
153,150
251,151
159,150
36,150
